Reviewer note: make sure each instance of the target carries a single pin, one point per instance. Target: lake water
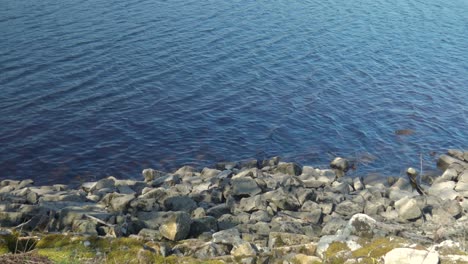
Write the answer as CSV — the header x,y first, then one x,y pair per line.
x,y
96,88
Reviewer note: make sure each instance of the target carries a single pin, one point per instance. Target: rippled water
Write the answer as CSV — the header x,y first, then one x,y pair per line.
x,y
97,88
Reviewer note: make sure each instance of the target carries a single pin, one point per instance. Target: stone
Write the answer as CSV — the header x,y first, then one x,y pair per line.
x,y
88,186
218,210
150,234
348,208
260,216
456,153
360,225
9,219
340,164
452,207
408,209
120,202
358,185
289,168
249,164
445,161
208,173
305,259
84,227
282,200
280,239
444,190
144,204
245,187
180,203
333,225
151,174
251,204
411,256
176,227
186,171
244,249
202,225
106,183
228,237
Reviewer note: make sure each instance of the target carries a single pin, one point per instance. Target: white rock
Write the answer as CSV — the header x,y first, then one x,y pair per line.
x,y
411,256
408,208
443,190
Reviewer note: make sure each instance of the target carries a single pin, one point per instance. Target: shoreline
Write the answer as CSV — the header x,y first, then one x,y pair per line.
x,y
250,212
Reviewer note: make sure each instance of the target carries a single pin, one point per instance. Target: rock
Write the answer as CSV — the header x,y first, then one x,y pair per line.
x,y
202,225
218,210
452,207
358,184
260,216
282,200
9,219
176,227
411,256
144,204
208,173
348,208
455,153
281,239
305,259
408,209
228,237
444,190
150,234
106,183
340,164
180,203
186,171
244,249
333,225
445,161
150,174
249,164
250,204
84,227
245,187
289,168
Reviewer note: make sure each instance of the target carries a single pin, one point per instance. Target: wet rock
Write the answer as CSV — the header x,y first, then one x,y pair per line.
x,y
411,256
176,227
289,168
408,209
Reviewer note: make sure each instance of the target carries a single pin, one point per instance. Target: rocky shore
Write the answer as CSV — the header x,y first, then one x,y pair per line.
x,y
251,212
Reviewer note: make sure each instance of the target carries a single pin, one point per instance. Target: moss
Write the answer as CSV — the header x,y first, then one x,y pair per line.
x,y
377,248
332,254
79,249
3,246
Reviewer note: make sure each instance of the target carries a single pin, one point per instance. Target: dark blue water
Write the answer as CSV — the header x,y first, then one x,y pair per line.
x,y
96,88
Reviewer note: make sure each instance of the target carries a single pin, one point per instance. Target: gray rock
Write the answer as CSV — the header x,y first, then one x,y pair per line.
x,y
180,203
358,185
202,225
176,227
106,183
248,164
281,239
243,250
260,216
456,153
85,227
452,207
250,204
150,234
9,219
228,237
411,256
117,202
228,221
303,195
186,171
150,174
348,208
408,209
340,164
282,200
445,161
289,168
218,210
144,204
208,173
333,225
245,187
444,190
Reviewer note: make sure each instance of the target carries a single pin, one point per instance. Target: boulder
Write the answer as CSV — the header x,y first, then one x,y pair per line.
x,y
245,186
305,259
180,203
340,164
176,227
289,168
117,202
150,174
244,249
444,190
445,161
228,237
408,209
280,239
208,173
202,225
411,256
349,208
186,171
250,204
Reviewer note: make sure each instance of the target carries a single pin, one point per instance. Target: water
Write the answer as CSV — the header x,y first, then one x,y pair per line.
x,y
97,88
